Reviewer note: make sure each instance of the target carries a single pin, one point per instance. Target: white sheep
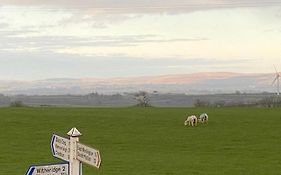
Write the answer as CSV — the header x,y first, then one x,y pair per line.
x,y
191,120
203,118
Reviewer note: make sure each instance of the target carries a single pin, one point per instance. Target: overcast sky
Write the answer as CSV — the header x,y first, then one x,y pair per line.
x,y
42,39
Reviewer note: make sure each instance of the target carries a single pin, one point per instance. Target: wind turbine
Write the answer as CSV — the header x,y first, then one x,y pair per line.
x,y
276,79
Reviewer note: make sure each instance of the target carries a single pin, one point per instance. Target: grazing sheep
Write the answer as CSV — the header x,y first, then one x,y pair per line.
x,y
191,120
203,118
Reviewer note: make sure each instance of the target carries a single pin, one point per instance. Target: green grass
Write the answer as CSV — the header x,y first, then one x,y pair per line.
x,y
151,141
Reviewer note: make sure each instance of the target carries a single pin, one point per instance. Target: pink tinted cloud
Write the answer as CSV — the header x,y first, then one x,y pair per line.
x,y
166,79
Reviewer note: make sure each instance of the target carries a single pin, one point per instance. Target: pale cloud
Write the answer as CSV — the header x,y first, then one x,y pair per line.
x,y
106,38
146,36
10,34
10,40
97,20
139,6
4,25
45,65
182,49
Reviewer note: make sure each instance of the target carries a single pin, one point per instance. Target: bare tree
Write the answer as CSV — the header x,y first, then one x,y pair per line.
x,y
143,99
201,103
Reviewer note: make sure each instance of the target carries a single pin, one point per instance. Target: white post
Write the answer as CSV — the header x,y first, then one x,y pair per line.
x,y
74,164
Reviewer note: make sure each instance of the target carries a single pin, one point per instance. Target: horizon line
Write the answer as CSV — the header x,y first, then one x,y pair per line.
x,y
138,76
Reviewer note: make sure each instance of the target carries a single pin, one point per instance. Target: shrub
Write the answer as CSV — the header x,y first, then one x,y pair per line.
x,y
17,104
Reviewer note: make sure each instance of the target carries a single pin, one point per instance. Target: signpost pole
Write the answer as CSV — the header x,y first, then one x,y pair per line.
x,y
74,164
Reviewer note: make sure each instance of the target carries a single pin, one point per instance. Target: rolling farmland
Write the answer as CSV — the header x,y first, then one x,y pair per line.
x,y
147,141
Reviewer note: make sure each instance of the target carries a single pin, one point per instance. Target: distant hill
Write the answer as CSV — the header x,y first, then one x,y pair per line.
x,y
196,83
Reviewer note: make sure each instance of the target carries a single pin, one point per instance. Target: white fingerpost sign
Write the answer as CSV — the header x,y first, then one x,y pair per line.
x,y
71,152
88,155
55,169
60,147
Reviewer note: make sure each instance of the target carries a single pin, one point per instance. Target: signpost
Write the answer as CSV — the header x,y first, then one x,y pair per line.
x,y
71,151
74,163
60,147
55,169
88,155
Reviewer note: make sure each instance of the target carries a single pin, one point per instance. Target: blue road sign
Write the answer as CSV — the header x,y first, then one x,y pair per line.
x,y
51,169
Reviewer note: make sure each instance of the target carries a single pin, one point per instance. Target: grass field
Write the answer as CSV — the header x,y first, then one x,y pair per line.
x,y
147,141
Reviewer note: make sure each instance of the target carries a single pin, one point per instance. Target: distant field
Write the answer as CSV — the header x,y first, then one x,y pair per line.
x,y
147,141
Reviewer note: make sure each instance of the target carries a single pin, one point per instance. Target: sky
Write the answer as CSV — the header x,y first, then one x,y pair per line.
x,y
41,39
